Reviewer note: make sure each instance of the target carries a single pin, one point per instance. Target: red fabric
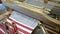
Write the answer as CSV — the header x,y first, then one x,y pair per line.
x,y
15,28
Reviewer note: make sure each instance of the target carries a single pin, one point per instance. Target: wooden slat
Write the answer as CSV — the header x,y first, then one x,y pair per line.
x,y
51,31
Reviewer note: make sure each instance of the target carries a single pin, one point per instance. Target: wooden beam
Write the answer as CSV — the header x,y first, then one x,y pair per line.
x,y
34,12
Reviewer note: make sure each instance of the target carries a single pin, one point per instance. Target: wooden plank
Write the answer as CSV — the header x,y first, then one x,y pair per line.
x,y
35,13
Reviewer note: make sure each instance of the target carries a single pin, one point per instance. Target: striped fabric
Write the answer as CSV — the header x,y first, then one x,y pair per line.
x,y
25,24
24,29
